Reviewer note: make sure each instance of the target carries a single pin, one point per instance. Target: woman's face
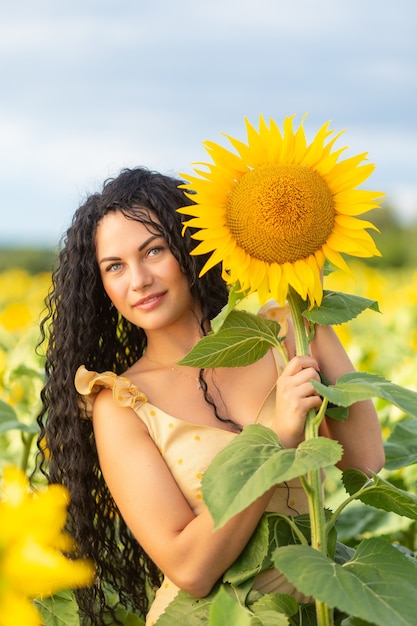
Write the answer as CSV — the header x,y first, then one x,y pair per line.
x,y
140,274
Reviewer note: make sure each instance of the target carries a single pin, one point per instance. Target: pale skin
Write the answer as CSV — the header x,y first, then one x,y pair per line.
x,y
145,283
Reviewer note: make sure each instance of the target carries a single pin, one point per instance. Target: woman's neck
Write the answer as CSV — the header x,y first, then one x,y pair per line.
x,y
170,346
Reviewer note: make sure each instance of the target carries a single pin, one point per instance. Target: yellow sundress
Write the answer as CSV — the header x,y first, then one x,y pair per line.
x,y
188,450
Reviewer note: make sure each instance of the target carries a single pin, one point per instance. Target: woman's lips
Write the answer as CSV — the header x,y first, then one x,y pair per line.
x,y
149,302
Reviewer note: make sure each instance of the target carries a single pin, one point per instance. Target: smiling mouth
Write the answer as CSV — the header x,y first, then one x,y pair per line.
x,y
149,300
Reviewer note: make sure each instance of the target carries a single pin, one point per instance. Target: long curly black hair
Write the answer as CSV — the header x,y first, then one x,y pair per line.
x,y
82,327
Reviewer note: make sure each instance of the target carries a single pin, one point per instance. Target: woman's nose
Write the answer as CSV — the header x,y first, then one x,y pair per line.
x,y
140,277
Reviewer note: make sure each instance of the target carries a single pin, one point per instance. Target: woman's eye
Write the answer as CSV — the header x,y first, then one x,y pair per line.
x,y
154,250
113,267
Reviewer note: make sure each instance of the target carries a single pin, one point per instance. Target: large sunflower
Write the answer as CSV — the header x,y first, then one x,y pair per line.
x,y
273,211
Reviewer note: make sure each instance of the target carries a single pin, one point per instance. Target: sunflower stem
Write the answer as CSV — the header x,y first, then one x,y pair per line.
x,y
27,443
312,480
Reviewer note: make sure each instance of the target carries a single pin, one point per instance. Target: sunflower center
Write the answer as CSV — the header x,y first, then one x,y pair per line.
x,y
280,213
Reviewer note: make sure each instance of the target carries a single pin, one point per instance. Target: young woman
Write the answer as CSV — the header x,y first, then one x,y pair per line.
x,y
134,434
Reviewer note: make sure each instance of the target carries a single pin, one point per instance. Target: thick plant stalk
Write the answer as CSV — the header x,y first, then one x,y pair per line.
x,y
312,480
27,444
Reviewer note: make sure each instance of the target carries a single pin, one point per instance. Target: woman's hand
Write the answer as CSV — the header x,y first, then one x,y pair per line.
x,y
295,397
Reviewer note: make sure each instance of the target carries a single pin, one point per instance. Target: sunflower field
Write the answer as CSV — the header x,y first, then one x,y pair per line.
x,y
383,342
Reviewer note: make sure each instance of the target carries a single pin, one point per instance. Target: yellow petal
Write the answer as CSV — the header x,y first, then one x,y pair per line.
x,y
212,233
349,222
33,569
17,610
335,258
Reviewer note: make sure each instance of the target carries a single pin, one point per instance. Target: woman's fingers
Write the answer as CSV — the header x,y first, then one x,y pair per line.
x,y
300,363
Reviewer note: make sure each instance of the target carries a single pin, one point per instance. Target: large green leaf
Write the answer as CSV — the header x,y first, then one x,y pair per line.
x,y
235,295
356,386
243,339
274,609
59,610
127,618
250,561
338,308
187,610
378,585
401,446
254,462
269,618
356,621
278,602
225,611
380,494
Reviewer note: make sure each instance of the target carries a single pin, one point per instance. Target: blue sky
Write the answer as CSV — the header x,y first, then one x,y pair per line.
x,y
91,86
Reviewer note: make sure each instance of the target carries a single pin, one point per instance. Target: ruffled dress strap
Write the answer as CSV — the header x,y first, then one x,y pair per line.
x,y
89,384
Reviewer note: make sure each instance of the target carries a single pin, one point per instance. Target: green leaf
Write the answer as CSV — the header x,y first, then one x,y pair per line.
x,y
282,531
378,585
278,602
24,370
235,295
243,339
187,610
401,446
356,621
338,308
380,494
255,461
273,530
60,609
338,413
18,425
225,611
7,412
356,386
249,563
269,618
127,618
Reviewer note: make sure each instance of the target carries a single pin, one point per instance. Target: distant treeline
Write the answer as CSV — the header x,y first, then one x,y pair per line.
x,y
34,260
396,242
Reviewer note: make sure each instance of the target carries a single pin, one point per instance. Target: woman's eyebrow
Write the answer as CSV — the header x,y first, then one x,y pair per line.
x,y
141,247
106,259
148,241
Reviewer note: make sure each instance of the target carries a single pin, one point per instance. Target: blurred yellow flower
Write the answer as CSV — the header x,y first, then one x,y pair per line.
x,y
16,392
15,284
32,542
16,612
273,211
15,316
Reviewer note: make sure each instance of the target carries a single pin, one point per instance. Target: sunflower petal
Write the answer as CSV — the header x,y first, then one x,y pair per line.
x,y
335,258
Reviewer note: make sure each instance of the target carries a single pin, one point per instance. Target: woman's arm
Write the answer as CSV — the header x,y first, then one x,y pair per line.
x,y
360,433
182,544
